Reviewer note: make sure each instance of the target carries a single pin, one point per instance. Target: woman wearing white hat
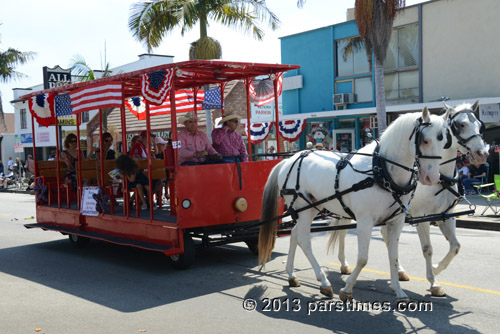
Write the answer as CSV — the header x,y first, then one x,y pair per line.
x,y
195,145
227,141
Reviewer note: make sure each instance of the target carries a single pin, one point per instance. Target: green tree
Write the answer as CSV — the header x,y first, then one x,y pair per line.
x,y
150,21
9,60
375,19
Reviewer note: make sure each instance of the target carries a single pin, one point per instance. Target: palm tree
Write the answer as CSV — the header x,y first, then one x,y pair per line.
x,y
375,19
9,60
151,20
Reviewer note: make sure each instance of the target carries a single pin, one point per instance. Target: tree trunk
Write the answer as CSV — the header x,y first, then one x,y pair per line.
x,y
203,26
380,96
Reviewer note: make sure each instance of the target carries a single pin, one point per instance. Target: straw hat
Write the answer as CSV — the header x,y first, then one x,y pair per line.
x,y
187,117
228,117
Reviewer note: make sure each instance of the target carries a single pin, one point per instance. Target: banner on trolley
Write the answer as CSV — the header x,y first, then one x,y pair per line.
x,y
290,130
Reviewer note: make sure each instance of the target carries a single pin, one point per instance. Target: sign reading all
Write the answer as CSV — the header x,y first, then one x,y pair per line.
x,y
56,76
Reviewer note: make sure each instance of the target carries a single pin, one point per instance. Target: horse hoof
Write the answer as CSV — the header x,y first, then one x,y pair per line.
x,y
345,270
294,282
437,291
403,276
327,291
345,296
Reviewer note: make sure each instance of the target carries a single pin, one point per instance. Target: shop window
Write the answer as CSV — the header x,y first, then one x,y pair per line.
x,y
403,48
22,119
363,89
351,57
401,87
85,117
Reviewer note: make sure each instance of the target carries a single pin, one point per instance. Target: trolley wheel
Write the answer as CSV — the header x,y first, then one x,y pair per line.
x,y
252,245
185,260
78,241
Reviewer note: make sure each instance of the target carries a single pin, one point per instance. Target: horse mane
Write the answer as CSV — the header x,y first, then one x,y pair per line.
x,y
393,137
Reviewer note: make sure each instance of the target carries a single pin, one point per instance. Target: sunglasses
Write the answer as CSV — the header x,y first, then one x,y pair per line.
x,y
72,141
108,141
234,121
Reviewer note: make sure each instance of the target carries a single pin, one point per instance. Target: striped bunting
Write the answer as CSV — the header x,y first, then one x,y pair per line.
x,y
102,95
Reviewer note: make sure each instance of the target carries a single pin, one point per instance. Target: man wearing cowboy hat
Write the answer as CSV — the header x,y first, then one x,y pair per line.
x,y
227,141
195,145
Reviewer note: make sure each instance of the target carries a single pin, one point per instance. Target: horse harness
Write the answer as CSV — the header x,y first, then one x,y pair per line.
x,y
377,175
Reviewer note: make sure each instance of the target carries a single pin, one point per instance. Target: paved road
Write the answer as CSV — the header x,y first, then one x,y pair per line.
x,y
48,285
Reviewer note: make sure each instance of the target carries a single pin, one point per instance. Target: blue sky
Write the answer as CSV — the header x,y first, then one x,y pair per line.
x,y
59,29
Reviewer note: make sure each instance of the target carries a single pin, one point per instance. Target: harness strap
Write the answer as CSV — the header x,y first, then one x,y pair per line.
x,y
341,164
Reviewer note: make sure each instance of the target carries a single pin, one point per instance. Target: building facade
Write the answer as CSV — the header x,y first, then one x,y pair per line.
x,y
439,51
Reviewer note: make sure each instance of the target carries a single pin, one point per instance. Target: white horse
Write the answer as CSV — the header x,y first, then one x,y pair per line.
x,y
310,176
465,137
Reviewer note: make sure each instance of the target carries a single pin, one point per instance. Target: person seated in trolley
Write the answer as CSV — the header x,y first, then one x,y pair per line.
x,y
195,146
70,157
109,154
139,149
136,179
229,142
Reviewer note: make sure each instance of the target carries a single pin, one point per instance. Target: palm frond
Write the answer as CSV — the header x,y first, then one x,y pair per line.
x,y
9,60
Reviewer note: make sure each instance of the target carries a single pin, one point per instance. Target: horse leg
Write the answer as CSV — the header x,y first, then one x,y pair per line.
x,y
344,265
448,228
364,231
423,230
402,275
393,233
304,240
293,280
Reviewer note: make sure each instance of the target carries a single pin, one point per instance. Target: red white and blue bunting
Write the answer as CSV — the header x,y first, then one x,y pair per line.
x,y
258,131
155,86
291,130
262,91
42,108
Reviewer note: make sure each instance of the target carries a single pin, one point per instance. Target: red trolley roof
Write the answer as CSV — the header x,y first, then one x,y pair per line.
x,y
188,74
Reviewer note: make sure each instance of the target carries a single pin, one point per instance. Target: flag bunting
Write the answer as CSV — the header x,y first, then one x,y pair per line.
x,y
258,131
155,86
42,108
291,130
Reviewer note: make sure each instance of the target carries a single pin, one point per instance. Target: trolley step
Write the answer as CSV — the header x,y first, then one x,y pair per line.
x,y
104,237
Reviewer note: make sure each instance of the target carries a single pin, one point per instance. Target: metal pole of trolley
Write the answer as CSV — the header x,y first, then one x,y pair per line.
x,y
173,122
101,150
150,170
58,165
79,147
276,113
34,143
126,209
247,86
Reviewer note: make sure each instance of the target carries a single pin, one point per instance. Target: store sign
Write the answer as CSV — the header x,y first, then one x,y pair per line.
x,y
66,120
489,113
43,137
55,77
26,138
266,112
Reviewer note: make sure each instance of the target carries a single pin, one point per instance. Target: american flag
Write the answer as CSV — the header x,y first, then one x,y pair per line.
x,y
184,102
212,99
63,105
103,95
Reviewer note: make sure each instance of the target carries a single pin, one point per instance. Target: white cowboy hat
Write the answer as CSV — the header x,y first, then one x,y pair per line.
x,y
228,117
160,140
187,117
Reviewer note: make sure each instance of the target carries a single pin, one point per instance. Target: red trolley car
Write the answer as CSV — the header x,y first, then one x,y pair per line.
x,y
214,203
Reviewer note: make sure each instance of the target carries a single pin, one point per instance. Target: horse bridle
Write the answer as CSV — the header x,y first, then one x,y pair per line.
x,y
417,131
456,131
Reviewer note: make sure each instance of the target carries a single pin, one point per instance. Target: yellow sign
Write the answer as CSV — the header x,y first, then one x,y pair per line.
x,y
66,120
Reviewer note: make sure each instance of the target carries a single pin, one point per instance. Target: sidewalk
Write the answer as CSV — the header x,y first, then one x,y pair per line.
x,y
477,221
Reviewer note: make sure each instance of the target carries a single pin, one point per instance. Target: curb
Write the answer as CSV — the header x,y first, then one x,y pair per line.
x,y
478,224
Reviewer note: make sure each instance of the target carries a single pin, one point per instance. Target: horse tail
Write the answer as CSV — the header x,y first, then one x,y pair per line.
x,y
333,236
269,230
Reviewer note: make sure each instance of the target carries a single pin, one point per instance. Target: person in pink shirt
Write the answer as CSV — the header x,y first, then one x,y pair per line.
x,y
227,141
195,145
